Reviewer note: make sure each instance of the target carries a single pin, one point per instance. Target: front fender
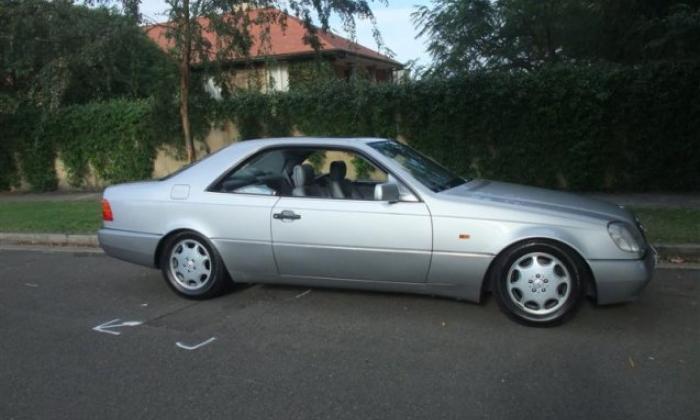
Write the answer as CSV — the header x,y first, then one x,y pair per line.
x,y
564,236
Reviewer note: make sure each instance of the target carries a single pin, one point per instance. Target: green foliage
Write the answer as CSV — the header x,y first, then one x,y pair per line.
x,y
317,159
9,175
568,127
57,53
8,168
337,108
37,156
255,114
117,139
540,128
28,151
465,35
306,74
363,169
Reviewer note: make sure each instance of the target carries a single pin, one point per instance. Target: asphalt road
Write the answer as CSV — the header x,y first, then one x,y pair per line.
x,y
282,352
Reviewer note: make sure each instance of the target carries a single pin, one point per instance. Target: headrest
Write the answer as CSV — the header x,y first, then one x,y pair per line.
x,y
303,175
338,170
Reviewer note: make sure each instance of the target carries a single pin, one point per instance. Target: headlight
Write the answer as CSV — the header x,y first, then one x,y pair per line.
x,y
625,238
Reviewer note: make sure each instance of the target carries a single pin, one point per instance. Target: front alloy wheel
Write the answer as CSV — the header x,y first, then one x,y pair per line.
x,y
539,283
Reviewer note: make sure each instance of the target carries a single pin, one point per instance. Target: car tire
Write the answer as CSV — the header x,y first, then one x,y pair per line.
x,y
192,267
539,283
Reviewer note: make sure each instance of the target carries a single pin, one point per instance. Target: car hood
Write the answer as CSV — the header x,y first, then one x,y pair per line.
x,y
533,198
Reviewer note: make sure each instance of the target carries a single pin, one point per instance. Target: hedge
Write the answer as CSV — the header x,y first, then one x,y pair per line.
x,y
577,128
584,128
118,139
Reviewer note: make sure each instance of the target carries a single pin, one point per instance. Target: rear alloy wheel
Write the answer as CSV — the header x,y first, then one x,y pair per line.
x,y
539,283
192,267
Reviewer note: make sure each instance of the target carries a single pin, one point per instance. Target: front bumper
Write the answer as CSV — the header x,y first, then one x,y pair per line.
x,y
134,247
620,281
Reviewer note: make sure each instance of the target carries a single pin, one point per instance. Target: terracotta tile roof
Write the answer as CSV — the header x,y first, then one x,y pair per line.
x,y
284,42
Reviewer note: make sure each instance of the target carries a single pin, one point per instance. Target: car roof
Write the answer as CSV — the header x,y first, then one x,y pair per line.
x,y
340,141
213,165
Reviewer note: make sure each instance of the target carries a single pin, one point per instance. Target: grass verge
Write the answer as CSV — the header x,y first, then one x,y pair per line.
x,y
670,225
50,217
663,225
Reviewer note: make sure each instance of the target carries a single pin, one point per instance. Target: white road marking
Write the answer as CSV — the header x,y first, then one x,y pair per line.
x,y
196,346
31,284
303,294
107,326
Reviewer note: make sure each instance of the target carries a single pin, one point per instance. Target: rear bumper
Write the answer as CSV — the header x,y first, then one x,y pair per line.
x,y
620,281
134,247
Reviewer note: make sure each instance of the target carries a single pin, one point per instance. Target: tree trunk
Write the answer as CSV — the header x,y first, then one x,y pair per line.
x,y
185,61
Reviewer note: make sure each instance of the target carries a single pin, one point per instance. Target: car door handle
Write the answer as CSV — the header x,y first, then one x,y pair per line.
x,y
286,214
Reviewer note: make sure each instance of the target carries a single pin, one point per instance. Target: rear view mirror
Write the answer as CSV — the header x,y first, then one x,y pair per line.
x,y
387,191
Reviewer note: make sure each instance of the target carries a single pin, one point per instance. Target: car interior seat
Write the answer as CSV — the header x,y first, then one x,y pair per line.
x,y
303,177
339,186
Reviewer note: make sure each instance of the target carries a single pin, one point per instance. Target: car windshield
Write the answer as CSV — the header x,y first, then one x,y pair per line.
x,y
425,170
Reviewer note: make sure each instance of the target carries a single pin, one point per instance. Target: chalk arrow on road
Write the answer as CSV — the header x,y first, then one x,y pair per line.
x,y
196,346
109,326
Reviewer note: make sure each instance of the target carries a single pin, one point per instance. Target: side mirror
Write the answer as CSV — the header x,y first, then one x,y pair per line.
x,y
387,191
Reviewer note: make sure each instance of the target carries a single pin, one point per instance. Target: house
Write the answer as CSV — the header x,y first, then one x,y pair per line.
x,y
272,63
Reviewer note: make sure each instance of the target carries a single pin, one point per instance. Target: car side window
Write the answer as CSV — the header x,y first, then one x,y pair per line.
x,y
358,169
262,175
305,172
340,174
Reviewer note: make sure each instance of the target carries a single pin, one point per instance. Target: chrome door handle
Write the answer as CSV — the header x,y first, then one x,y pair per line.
x,y
286,214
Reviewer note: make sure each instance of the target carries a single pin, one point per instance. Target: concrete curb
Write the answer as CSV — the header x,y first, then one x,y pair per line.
x,y
666,251
49,239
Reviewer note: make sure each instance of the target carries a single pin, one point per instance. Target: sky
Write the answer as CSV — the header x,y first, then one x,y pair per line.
x,y
393,21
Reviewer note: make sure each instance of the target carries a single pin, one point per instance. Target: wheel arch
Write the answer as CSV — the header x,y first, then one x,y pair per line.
x,y
589,279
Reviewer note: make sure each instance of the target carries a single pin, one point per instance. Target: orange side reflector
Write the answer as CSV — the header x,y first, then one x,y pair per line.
x,y
464,236
107,215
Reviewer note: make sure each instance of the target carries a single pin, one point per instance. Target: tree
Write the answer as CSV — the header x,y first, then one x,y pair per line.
x,y
57,53
466,35
231,21
461,34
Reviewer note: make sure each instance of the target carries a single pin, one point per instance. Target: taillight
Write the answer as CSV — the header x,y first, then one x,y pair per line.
x,y
107,215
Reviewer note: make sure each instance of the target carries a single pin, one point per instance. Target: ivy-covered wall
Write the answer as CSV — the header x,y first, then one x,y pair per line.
x,y
117,140
577,128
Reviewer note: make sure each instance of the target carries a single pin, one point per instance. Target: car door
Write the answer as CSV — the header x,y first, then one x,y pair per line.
x,y
352,239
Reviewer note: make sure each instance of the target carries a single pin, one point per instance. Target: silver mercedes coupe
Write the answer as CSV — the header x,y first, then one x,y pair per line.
x,y
375,214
